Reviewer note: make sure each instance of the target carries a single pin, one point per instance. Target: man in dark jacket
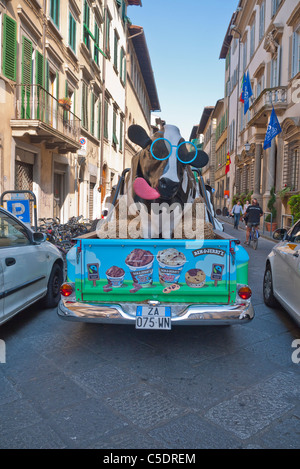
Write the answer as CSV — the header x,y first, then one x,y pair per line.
x,y
253,214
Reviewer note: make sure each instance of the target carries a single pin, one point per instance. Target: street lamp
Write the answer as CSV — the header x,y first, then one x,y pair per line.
x,y
247,146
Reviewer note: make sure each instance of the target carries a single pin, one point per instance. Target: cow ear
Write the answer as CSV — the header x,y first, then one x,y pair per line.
x,y
201,159
139,136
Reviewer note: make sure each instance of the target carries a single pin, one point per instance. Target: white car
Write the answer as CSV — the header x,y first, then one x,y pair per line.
x,y
282,275
30,268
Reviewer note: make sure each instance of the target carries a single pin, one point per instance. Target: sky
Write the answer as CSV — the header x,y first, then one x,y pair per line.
x,y
184,39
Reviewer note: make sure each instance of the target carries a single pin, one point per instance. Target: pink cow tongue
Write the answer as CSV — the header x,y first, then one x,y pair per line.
x,y
143,190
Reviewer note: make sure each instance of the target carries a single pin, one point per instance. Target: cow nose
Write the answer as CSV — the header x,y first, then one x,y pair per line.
x,y
167,188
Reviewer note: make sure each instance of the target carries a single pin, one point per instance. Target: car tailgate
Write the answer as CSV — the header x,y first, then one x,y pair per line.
x,y
175,271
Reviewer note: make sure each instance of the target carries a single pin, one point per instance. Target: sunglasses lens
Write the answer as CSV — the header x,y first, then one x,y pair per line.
x,y
161,149
186,152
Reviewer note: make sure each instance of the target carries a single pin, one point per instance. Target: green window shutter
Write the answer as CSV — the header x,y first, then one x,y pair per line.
x,y
96,51
84,107
116,42
105,119
121,135
39,79
99,118
26,77
9,48
92,113
39,76
72,33
54,11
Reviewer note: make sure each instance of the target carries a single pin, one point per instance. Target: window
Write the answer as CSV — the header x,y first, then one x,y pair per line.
x,y
12,233
99,119
275,6
92,114
296,53
262,10
275,69
260,85
26,78
107,37
114,132
116,45
245,45
54,11
121,134
72,32
123,66
9,48
105,130
86,24
252,39
84,106
97,44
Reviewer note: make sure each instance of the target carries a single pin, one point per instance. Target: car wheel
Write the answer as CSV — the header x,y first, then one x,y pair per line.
x,y
53,292
269,298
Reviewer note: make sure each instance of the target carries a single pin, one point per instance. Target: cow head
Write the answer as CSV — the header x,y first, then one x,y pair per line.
x,y
159,170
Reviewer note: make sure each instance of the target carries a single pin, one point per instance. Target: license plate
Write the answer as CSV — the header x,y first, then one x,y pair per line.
x,y
153,317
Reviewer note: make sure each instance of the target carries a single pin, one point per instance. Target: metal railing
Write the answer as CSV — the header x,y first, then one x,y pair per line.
x,y
33,102
287,225
272,225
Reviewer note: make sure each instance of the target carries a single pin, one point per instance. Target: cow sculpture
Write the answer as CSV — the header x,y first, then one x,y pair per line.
x,y
160,185
161,173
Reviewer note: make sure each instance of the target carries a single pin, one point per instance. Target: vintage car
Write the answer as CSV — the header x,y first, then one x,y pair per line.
x,y
281,284
31,268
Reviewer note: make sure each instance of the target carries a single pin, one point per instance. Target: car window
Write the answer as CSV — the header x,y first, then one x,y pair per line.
x,y
12,233
295,235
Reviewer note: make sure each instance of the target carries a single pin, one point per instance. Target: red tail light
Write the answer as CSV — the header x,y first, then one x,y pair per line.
x,y
66,289
245,293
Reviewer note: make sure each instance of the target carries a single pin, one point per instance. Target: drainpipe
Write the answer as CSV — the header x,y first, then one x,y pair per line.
x,y
103,105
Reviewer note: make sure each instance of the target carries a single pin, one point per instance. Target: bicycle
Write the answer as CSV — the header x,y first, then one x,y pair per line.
x,y
253,237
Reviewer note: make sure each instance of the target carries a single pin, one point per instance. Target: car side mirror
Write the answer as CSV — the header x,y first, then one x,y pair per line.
x,y
280,234
39,237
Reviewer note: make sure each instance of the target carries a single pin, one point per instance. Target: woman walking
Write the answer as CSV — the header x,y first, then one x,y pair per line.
x,y
237,211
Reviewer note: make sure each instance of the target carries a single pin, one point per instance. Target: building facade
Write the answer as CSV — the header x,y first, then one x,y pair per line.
x,y
63,96
263,39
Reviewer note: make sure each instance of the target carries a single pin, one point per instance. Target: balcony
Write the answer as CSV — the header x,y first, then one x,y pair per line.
x,y
269,97
40,116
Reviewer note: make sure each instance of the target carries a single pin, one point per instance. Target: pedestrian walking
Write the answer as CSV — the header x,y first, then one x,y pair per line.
x,y
237,212
246,205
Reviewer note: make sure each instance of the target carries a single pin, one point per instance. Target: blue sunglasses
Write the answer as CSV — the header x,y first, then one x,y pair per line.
x,y
161,149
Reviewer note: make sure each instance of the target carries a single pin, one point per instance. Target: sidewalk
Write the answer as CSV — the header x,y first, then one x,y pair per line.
x,y
242,226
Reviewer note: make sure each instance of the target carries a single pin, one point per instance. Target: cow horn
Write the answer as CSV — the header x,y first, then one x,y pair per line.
x,y
139,136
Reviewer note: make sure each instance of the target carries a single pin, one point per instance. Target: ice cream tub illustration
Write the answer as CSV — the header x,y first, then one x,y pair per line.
x,y
140,264
115,276
170,263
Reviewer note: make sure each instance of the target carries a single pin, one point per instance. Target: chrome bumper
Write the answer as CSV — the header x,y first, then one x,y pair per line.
x,y
181,314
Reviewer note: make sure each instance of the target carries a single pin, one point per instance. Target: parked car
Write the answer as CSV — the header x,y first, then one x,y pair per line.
x,y
31,268
282,275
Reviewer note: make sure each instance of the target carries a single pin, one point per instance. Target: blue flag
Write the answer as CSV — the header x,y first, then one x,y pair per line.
x,y
247,92
273,130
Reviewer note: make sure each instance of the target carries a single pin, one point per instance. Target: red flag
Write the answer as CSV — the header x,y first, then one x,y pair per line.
x,y
228,161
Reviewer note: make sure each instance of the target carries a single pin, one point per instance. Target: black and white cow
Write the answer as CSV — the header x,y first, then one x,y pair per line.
x,y
161,173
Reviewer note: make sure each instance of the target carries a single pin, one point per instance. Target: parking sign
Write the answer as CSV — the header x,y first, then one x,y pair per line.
x,y
19,208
